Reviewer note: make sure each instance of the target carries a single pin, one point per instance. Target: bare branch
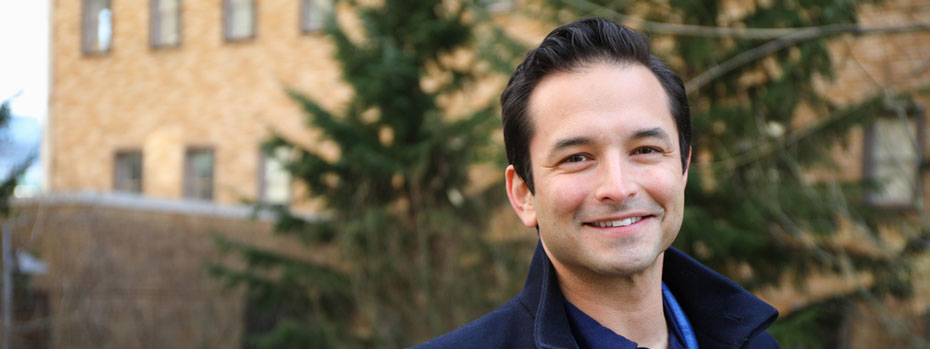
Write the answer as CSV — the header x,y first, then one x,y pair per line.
x,y
783,37
738,33
791,40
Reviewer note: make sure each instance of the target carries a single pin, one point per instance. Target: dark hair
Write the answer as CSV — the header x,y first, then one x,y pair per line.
x,y
566,48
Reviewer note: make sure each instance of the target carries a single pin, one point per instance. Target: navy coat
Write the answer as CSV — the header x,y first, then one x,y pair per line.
x,y
722,313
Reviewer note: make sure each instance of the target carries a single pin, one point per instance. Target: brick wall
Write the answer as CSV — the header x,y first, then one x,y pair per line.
x,y
128,272
205,92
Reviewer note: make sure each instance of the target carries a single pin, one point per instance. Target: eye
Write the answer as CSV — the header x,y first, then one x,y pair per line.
x,y
646,150
576,158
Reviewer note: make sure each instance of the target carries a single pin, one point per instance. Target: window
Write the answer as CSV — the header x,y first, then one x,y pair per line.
x,y
497,5
127,174
239,19
313,14
97,26
166,23
198,174
274,180
892,160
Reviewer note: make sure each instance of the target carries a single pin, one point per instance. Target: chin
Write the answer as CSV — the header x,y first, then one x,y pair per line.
x,y
631,264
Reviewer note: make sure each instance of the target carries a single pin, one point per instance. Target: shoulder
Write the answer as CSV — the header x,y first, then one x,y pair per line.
x,y
762,341
509,326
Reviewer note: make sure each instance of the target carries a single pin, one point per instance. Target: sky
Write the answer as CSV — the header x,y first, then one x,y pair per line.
x,y
24,34
24,37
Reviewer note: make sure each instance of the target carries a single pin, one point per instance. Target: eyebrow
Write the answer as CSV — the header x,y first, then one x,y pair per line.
x,y
570,142
652,133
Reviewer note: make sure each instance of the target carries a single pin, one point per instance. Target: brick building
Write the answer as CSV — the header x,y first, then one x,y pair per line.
x,y
171,99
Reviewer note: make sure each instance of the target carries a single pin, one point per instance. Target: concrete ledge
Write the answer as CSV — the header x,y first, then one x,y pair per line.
x,y
143,203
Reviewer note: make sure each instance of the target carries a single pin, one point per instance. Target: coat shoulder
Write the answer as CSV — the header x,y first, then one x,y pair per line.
x,y
763,341
509,326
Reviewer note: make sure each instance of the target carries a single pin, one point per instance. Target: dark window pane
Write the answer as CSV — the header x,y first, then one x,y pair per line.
x,y
893,161
98,26
313,14
198,174
239,19
497,5
166,22
128,172
274,180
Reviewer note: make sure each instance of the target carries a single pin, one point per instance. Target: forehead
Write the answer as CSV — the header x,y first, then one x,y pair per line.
x,y
602,97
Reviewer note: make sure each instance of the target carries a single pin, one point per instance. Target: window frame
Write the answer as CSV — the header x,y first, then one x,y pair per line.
x,y
116,170
499,6
188,184
263,159
227,24
913,113
303,17
155,25
88,41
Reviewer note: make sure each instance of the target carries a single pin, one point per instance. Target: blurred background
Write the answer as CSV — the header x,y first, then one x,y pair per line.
x,y
317,173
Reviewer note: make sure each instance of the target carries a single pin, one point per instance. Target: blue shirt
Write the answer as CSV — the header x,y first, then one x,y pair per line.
x,y
589,333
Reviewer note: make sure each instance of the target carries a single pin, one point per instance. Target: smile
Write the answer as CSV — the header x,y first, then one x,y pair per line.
x,y
617,223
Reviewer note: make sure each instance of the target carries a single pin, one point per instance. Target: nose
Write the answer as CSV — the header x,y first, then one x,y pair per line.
x,y
615,183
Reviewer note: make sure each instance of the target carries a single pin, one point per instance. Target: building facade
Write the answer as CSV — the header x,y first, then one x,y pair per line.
x,y
172,99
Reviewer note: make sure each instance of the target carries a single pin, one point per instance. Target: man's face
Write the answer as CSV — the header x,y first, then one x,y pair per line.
x,y
607,169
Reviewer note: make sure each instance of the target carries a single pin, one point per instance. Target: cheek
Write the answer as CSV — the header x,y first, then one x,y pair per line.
x,y
665,187
566,193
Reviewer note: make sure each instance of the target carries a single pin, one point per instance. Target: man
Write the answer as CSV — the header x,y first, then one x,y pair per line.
x,y
598,135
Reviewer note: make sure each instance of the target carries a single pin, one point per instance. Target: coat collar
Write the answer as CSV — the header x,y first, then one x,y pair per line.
x,y
542,297
721,312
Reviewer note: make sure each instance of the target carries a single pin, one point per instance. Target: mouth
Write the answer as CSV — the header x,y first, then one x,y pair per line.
x,y
615,223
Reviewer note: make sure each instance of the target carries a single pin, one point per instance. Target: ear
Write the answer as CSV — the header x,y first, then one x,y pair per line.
x,y
520,197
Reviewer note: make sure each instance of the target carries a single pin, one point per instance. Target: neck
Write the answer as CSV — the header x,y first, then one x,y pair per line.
x,y
629,305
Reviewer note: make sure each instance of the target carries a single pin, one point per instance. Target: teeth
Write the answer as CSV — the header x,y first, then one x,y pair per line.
x,y
618,223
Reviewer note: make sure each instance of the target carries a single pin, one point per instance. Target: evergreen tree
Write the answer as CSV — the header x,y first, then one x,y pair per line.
x,y
753,210
8,184
413,261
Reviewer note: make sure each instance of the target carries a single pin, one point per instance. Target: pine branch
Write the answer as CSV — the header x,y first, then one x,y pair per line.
x,y
8,185
5,113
